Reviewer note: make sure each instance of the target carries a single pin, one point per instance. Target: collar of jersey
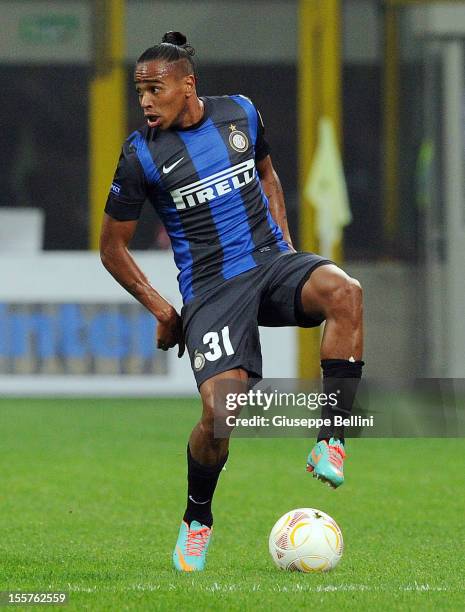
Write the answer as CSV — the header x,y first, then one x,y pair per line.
x,y
205,116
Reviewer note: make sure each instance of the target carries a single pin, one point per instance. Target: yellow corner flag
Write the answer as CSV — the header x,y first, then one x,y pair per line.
x,y
326,189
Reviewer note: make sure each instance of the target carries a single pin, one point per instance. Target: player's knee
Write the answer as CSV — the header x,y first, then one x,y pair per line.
x,y
214,413
207,425
207,422
356,292
346,298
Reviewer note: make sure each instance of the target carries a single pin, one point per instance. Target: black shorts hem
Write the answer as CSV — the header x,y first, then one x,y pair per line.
x,y
239,366
302,319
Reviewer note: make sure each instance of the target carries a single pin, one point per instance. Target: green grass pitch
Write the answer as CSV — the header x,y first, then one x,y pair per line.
x,y
92,493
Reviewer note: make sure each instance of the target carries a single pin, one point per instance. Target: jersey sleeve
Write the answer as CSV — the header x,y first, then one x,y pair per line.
x,y
128,189
262,148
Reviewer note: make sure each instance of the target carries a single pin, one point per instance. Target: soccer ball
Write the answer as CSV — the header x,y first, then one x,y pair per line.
x,y
306,540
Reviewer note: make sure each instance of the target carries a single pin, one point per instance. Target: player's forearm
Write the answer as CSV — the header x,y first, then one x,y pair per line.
x,y
124,269
275,195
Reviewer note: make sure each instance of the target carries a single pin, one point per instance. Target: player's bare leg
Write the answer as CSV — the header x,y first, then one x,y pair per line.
x,y
206,456
332,293
205,449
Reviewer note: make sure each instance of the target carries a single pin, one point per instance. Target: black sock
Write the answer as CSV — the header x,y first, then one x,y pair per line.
x,y
341,378
201,484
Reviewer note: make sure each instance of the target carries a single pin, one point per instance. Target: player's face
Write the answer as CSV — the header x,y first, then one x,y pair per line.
x,y
163,89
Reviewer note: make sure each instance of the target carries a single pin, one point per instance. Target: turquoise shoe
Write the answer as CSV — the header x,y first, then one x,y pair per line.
x,y
191,548
326,461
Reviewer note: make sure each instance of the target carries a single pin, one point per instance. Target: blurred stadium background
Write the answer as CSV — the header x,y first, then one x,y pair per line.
x,y
378,86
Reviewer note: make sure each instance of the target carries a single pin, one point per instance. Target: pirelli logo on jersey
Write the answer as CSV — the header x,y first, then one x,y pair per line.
x,y
214,186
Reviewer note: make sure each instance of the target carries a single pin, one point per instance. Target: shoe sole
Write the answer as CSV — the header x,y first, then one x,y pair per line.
x,y
321,478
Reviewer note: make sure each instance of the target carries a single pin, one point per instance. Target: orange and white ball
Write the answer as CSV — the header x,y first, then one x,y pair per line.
x,y
306,540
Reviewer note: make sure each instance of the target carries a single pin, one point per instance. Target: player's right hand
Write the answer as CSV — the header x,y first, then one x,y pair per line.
x,y
169,332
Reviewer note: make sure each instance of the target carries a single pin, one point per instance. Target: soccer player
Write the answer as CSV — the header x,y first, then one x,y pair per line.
x,y
204,164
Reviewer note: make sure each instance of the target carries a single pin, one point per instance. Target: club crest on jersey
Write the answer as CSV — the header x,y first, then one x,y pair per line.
x,y
215,185
199,361
238,140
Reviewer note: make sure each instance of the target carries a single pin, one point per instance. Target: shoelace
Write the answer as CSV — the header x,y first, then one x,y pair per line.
x,y
336,455
196,541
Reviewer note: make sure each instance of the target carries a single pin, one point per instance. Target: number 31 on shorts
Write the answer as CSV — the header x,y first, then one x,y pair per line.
x,y
218,346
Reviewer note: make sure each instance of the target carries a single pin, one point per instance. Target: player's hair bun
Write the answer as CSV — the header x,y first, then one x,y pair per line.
x,y
174,38
179,39
173,47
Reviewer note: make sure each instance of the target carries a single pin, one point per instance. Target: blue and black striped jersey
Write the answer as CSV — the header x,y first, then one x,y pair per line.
x,y
204,185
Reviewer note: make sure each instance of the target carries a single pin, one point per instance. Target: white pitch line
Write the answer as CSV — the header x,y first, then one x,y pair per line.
x,y
216,587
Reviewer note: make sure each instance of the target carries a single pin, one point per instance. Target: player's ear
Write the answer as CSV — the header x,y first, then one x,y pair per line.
x,y
189,85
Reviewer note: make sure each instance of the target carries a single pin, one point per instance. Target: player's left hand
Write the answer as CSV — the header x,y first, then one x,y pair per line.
x,y
170,333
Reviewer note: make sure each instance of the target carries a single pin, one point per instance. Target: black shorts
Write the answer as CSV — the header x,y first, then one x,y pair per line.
x,y
221,326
